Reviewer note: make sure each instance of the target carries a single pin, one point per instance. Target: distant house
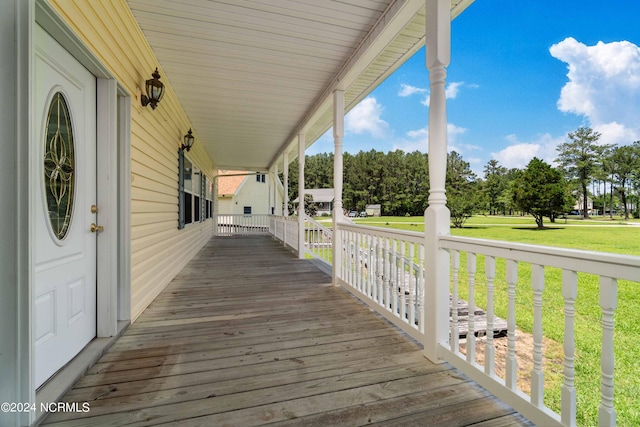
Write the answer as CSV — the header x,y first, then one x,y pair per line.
x,y
374,210
322,198
242,192
579,205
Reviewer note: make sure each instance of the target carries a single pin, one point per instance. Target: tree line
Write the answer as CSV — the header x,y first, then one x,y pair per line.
x,y
585,169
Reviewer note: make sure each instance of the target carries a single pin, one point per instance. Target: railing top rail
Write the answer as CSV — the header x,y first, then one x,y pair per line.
x,y
317,224
409,236
243,215
600,263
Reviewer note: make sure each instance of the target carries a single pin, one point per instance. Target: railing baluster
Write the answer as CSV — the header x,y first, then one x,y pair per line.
x,y
537,375
387,273
366,257
357,260
394,277
403,282
489,351
455,332
511,365
471,324
609,303
412,285
350,258
370,269
569,293
421,287
377,277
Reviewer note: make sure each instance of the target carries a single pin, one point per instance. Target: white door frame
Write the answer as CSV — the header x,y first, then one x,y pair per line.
x,y
113,183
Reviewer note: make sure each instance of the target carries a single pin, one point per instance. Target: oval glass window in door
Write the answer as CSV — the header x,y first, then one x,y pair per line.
x,y
59,166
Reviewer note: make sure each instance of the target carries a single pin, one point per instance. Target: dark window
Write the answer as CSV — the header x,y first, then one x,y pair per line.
x,y
188,211
247,210
197,208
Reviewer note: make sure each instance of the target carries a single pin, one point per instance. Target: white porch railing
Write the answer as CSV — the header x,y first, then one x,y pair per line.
x,y
231,225
285,229
609,268
384,268
318,241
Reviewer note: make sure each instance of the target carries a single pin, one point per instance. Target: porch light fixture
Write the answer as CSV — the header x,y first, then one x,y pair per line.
x,y
188,141
154,89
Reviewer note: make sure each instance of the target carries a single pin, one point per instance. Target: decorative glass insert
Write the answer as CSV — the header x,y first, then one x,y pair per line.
x,y
59,166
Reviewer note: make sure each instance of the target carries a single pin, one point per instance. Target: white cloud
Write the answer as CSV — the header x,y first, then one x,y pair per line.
x,y
451,92
616,133
407,90
518,154
419,140
365,118
603,86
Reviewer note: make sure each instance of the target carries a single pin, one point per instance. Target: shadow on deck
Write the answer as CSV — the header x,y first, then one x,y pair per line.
x,y
248,335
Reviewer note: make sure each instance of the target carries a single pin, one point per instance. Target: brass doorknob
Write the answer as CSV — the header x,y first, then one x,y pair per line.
x,y
96,228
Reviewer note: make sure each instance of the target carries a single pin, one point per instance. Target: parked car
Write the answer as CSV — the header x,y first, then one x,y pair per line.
x,y
353,214
363,214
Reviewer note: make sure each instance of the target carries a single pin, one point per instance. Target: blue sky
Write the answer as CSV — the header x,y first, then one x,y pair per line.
x,y
522,75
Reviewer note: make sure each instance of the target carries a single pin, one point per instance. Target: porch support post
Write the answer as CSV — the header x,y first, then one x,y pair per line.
x,y
338,134
301,147
274,177
214,196
437,216
285,196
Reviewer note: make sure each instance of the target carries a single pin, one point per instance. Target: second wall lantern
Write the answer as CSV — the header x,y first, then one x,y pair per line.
x,y
188,141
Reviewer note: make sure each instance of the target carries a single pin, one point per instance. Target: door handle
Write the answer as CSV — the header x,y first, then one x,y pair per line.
x,y
96,228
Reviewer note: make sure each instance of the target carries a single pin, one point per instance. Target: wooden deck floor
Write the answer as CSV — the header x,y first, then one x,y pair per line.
x,y
248,335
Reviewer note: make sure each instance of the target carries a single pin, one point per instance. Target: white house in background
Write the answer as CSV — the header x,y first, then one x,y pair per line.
x,y
249,193
579,205
323,199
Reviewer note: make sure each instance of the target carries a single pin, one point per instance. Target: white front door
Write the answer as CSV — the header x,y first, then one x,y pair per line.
x,y
64,177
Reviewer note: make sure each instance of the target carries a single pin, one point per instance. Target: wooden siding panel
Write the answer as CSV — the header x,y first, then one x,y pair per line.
x,y
141,219
159,249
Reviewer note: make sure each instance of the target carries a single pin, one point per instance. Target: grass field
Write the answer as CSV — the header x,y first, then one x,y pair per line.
x,y
598,235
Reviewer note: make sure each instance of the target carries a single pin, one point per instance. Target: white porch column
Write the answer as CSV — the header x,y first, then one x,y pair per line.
x,y
338,134
274,184
301,148
214,196
285,184
437,216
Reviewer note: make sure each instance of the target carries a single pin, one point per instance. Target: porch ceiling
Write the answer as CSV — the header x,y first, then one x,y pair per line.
x,y
253,74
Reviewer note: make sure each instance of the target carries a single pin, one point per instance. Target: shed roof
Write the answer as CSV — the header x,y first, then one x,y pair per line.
x,y
320,195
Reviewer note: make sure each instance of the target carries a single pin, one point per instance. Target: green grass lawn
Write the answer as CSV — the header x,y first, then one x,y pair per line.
x,y
598,235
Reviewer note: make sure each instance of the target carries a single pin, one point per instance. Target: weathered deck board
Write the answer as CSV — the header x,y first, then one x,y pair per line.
x,y
249,335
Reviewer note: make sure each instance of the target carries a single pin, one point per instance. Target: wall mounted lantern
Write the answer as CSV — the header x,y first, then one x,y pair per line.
x,y
188,141
154,89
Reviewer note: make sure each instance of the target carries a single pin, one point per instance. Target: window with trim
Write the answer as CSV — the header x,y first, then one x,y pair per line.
x,y
247,210
190,192
197,195
260,177
208,195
